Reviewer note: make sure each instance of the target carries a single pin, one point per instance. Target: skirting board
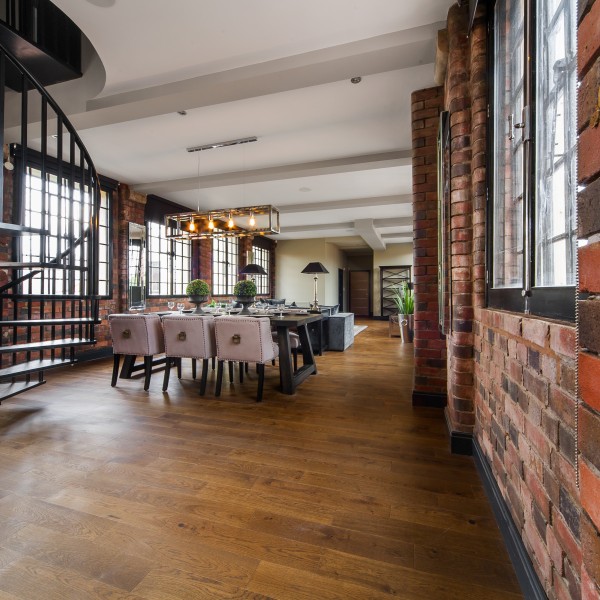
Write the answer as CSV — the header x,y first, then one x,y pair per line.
x,y
528,580
460,442
431,400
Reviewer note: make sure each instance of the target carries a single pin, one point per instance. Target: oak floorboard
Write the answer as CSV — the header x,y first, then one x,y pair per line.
x,y
342,491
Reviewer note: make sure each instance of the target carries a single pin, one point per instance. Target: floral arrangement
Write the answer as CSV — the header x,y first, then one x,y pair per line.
x,y
197,287
246,287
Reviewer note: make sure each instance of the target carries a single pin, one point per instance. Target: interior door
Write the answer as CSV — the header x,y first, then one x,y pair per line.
x,y
360,293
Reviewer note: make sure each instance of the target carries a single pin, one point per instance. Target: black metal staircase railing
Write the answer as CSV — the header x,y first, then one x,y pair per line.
x,y
49,207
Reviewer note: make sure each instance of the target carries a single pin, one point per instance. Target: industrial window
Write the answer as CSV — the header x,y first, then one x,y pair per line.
x,y
532,236
169,262
64,212
262,257
225,262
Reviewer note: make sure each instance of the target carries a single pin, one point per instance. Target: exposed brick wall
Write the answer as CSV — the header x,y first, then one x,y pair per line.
x,y
459,412
429,344
589,309
525,424
512,377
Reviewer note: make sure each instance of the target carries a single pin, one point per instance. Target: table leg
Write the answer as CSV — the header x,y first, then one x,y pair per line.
x,y
285,360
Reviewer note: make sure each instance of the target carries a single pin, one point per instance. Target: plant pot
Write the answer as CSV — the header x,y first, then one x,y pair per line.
x,y
198,301
245,301
406,323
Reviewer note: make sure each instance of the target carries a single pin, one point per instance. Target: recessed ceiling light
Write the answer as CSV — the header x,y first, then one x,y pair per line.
x,y
304,189
183,113
356,79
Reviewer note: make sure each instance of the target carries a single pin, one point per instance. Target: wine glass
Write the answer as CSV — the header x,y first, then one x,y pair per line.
x,y
170,305
180,306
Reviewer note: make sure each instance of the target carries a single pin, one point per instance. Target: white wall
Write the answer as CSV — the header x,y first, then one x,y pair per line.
x,y
393,255
293,256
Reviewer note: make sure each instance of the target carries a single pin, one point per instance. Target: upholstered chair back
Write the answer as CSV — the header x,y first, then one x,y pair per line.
x,y
189,336
138,335
245,339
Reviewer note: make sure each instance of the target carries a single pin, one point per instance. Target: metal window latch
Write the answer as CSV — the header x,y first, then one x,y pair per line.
x,y
236,339
524,125
126,333
181,336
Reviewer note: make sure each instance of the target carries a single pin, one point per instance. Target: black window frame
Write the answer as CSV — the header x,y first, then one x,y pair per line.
x,y
51,166
230,272
556,302
170,253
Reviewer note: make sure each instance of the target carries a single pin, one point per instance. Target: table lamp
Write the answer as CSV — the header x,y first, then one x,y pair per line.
x,y
314,268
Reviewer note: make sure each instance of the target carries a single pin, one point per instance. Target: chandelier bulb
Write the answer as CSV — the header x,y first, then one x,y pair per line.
x,y
230,222
211,223
192,226
252,220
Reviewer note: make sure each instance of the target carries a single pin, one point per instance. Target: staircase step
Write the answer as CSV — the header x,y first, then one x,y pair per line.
x,y
8,264
47,345
12,229
47,322
33,366
12,389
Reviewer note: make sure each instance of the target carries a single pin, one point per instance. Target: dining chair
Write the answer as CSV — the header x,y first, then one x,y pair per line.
x,y
192,337
135,335
244,340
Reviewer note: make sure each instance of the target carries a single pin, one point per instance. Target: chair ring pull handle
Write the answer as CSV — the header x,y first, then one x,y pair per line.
x,y
236,339
181,336
126,333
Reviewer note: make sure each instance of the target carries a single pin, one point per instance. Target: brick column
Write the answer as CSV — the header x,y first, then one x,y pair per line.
x,y
589,309
429,387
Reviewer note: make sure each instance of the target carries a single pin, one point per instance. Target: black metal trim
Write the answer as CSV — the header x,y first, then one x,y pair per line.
x,y
429,399
461,443
530,584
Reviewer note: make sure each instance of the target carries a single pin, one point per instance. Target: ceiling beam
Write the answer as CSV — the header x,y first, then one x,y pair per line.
x,y
365,162
343,204
390,52
366,229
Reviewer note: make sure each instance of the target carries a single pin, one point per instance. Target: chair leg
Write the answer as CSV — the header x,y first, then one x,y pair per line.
x,y
246,367
178,363
147,371
242,368
230,371
213,364
115,373
219,378
168,366
193,368
204,376
261,380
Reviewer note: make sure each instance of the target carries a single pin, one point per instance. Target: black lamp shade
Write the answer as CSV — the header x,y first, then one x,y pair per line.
x,y
314,267
253,269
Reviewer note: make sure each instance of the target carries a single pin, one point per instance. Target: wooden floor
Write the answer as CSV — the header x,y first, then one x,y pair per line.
x,y
343,491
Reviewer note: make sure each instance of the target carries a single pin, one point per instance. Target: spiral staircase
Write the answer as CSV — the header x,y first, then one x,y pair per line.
x,y
49,207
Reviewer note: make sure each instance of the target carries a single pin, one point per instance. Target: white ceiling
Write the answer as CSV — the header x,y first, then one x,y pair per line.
x,y
329,153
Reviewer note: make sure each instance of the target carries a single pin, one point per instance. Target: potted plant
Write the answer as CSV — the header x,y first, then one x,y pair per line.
x,y
197,291
404,298
244,291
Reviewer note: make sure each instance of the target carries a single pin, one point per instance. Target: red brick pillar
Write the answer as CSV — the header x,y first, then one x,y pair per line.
x,y
429,387
589,309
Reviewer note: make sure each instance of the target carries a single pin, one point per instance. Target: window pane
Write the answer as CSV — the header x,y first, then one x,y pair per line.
x,y
556,139
225,266
262,257
508,153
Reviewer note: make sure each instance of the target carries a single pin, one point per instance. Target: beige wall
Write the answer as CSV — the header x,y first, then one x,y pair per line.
x,y
293,256
393,255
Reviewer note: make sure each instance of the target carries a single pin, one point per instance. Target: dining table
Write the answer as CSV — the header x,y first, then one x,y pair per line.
x,y
283,321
